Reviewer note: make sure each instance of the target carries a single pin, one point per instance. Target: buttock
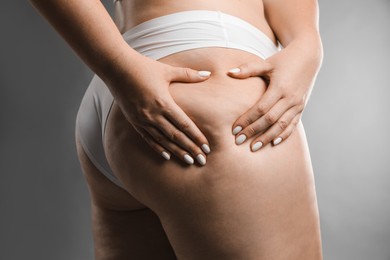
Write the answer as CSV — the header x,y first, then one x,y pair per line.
x,y
230,169
248,197
213,105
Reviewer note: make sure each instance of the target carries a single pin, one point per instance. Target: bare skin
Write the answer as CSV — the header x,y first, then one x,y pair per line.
x,y
241,205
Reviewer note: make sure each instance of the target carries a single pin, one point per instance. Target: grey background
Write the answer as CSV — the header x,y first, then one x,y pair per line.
x,y
44,200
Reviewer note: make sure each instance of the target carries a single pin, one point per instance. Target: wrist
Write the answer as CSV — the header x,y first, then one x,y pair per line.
x,y
116,64
128,73
308,45
299,61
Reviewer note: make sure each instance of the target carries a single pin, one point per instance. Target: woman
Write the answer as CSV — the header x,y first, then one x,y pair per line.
x,y
183,80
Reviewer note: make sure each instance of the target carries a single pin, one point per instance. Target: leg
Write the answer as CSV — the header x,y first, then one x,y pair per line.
x,y
123,228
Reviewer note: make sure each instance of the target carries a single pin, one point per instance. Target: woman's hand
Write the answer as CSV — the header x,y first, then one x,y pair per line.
x,y
290,74
145,100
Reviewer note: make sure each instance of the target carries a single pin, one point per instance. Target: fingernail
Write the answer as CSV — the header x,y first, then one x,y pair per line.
x,y
204,73
256,146
188,159
277,141
235,70
237,129
201,159
205,148
240,139
166,155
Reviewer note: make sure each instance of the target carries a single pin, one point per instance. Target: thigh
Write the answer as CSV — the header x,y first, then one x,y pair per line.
x,y
123,228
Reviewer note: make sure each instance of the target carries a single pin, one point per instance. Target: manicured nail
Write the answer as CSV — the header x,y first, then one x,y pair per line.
x,y
204,73
256,146
235,70
240,139
237,129
166,155
277,140
188,159
206,148
201,159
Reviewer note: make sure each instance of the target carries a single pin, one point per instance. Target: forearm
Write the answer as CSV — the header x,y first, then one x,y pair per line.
x,y
295,23
92,34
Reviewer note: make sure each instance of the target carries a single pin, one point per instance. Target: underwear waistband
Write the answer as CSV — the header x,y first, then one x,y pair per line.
x,y
176,32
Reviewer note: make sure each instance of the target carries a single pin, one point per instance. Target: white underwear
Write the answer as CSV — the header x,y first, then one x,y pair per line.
x,y
182,31
158,38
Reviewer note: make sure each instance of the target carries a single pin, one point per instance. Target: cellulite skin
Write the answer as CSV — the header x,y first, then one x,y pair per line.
x,y
240,205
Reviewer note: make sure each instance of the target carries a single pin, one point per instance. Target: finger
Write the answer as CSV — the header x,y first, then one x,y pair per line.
x,y
153,144
178,151
188,75
251,69
184,124
264,122
266,102
289,130
274,132
189,148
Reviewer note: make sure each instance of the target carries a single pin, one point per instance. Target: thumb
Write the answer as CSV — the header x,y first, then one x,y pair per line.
x,y
189,75
251,69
